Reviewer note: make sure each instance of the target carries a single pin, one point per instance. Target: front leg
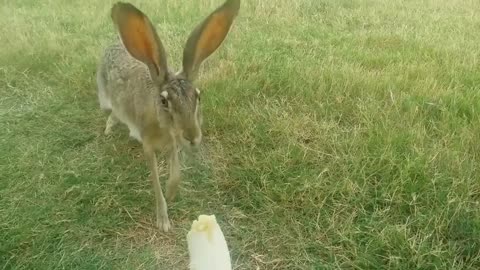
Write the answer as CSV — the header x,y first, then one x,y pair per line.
x,y
163,222
174,174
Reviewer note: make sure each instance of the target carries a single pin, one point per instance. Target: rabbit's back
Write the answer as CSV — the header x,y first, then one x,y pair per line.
x,y
126,88
119,69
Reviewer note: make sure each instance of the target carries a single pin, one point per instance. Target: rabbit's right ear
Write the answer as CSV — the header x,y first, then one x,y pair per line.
x,y
208,36
140,38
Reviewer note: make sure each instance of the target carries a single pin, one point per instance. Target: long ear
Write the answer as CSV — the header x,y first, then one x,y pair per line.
x,y
140,38
208,36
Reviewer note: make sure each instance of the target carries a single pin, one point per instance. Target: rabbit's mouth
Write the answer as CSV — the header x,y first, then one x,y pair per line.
x,y
192,142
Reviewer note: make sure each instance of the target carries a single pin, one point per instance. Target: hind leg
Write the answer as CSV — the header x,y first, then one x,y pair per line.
x,y
111,122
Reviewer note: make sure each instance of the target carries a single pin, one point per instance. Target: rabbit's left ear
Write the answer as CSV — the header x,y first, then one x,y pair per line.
x,y
208,36
140,38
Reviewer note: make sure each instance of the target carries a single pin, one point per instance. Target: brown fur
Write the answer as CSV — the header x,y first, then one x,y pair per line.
x,y
161,108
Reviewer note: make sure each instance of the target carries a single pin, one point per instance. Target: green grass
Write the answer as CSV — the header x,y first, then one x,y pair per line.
x,y
338,134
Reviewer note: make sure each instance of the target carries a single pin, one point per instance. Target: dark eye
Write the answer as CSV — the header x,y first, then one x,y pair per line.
x,y
164,102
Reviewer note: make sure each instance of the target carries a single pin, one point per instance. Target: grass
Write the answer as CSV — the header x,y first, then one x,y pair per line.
x,y
338,135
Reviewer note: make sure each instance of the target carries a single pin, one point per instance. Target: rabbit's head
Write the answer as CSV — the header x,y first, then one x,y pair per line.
x,y
177,94
182,101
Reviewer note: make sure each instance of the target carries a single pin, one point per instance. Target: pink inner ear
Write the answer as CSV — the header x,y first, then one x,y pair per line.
x,y
137,35
212,36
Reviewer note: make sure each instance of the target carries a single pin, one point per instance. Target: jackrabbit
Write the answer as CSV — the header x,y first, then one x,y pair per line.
x,y
161,108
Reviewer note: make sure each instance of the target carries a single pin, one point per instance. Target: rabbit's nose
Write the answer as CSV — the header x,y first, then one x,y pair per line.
x,y
193,141
194,136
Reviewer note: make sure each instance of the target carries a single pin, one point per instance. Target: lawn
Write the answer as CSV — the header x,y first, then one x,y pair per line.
x,y
338,135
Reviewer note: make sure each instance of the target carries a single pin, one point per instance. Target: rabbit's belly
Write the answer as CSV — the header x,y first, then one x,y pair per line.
x,y
134,132
105,103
